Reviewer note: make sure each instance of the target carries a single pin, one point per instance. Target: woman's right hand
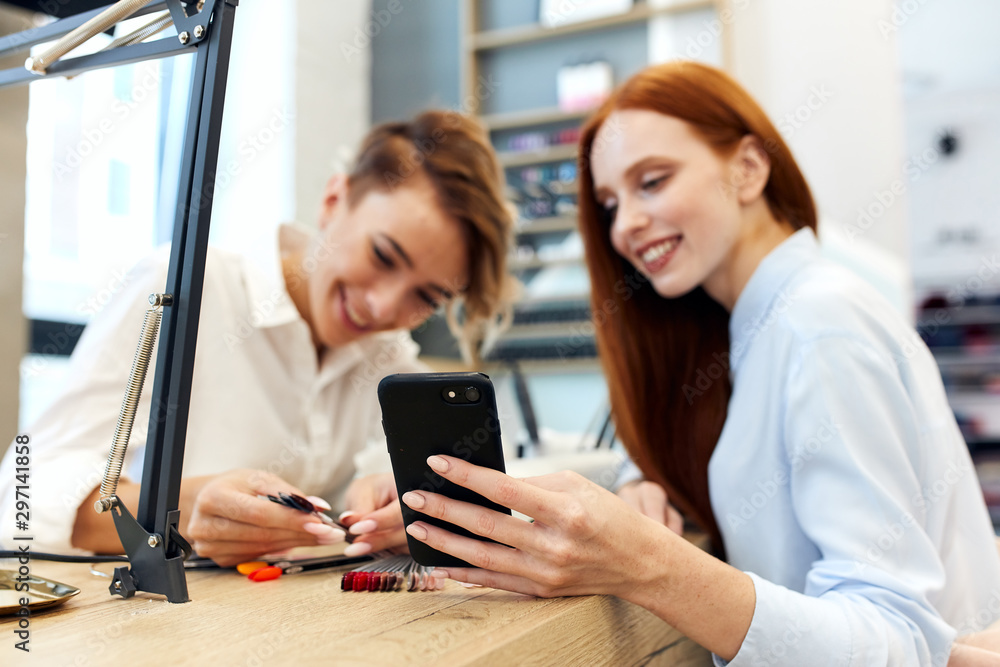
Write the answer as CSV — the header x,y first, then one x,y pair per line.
x,y
231,525
650,499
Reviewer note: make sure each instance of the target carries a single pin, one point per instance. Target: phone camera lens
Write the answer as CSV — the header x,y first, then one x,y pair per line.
x,y
472,394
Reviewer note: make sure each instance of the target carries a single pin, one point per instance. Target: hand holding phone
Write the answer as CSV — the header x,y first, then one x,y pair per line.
x,y
454,414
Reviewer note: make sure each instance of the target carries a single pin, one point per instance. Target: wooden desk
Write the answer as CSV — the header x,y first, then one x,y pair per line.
x,y
307,619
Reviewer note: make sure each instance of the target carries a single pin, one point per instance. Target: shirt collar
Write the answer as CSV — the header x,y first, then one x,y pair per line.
x,y
379,354
767,286
268,300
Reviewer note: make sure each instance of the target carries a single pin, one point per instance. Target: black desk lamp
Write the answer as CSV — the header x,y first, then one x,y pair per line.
x,y
155,548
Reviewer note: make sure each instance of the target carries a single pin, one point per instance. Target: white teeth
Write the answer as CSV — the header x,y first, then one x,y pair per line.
x,y
660,250
353,316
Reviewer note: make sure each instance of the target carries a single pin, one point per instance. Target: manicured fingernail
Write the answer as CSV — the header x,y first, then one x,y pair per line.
x,y
362,527
414,499
357,549
321,529
319,502
438,464
336,536
417,531
345,515
440,573
469,585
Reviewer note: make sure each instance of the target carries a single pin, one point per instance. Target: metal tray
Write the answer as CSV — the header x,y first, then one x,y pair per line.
x,y
41,592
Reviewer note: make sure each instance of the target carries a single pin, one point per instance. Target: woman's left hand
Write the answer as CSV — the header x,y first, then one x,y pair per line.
x,y
650,498
373,515
583,540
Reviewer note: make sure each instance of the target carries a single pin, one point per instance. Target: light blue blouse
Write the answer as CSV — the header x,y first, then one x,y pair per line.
x,y
841,482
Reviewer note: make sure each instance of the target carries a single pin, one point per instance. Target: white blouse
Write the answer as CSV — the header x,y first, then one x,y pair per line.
x,y
261,398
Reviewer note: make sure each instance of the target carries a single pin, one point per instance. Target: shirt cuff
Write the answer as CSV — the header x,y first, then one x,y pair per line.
x,y
629,472
785,630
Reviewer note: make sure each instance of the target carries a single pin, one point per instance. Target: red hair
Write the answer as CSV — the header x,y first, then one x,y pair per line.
x,y
653,348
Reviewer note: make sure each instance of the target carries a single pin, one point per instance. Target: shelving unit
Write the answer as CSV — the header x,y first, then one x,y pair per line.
x,y
563,223
641,12
519,265
965,341
524,158
530,118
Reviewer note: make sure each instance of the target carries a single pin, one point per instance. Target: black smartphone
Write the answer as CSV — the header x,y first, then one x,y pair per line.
x,y
439,413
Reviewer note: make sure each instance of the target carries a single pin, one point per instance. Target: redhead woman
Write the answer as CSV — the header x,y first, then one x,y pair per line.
x,y
823,460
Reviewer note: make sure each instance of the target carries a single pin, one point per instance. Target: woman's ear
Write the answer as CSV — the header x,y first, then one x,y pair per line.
x,y
753,169
334,196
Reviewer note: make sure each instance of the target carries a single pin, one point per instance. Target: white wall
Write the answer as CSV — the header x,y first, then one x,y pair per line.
x,y
332,93
951,74
828,74
296,107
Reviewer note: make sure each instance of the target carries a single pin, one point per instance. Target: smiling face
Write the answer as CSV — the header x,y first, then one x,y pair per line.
x,y
678,211
387,262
